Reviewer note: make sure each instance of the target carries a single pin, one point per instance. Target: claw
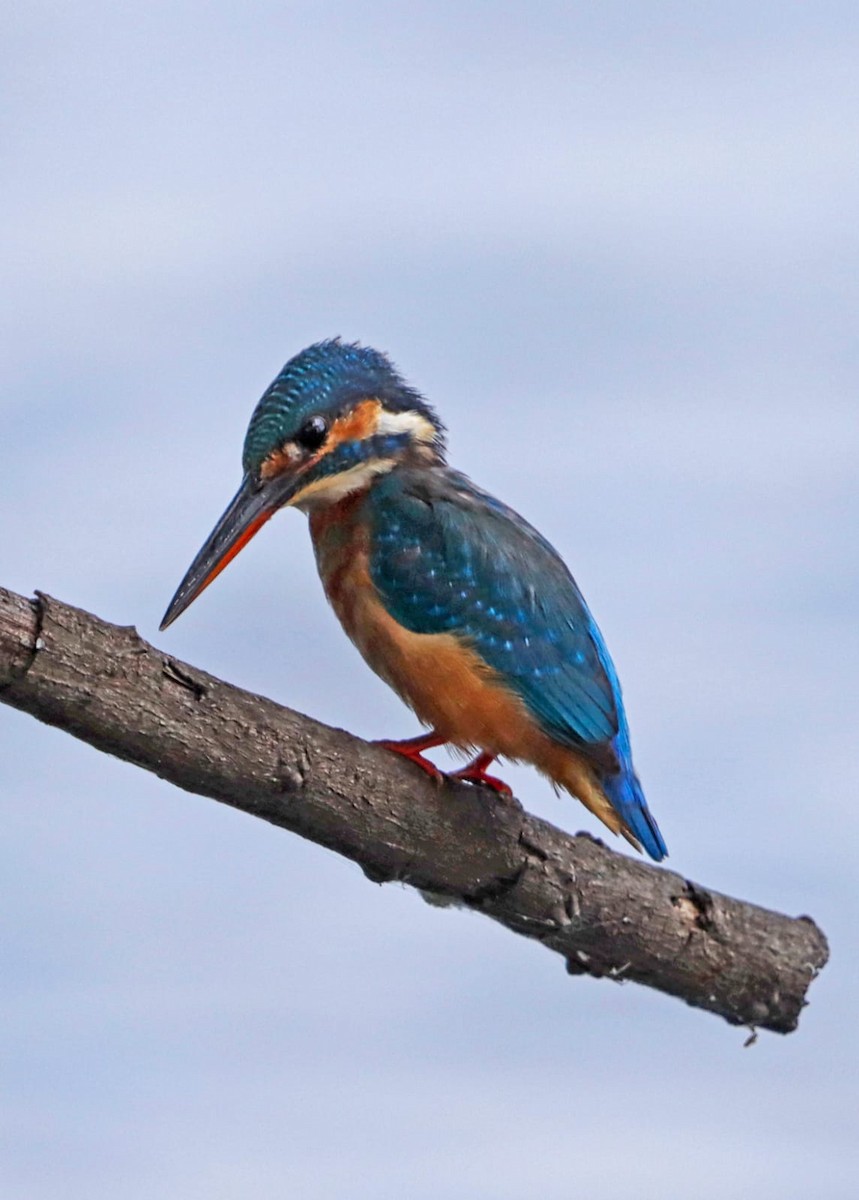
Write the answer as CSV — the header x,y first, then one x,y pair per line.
x,y
411,749
475,772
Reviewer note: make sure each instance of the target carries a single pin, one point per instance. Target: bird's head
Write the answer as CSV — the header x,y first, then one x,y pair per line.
x,y
336,417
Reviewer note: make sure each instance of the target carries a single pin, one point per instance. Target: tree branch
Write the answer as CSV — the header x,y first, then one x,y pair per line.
x,y
604,913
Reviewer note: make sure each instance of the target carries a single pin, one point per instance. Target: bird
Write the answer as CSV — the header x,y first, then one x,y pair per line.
x,y
451,597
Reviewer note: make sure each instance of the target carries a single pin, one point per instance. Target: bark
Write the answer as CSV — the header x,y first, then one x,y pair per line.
x,y
606,914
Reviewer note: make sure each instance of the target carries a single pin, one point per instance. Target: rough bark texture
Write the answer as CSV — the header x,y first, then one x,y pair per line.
x,y
604,913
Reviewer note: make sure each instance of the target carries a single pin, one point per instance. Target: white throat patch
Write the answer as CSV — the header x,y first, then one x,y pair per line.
x,y
331,488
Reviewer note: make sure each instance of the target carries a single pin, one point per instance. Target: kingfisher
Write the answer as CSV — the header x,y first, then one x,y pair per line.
x,y
459,604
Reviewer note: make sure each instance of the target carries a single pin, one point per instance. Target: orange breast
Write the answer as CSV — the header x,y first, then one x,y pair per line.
x,y
438,675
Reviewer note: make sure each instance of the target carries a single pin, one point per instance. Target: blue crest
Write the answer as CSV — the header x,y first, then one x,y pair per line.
x,y
328,378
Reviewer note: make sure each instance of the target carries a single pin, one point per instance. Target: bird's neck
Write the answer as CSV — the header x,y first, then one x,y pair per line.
x,y
335,522
329,492
341,544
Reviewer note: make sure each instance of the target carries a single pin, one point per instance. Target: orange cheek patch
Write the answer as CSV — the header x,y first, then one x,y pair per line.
x,y
279,460
354,426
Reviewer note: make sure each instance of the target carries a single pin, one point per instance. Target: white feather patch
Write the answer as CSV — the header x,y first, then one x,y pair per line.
x,y
411,422
330,488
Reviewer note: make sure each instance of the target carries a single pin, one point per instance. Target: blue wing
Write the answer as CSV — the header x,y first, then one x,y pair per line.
x,y
447,557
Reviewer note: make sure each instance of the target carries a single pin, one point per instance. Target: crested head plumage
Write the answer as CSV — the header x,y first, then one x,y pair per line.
x,y
326,380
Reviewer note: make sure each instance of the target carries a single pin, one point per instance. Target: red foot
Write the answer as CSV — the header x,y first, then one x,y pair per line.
x,y
411,749
475,772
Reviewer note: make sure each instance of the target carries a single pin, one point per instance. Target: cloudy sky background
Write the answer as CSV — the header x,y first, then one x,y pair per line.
x,y
618,246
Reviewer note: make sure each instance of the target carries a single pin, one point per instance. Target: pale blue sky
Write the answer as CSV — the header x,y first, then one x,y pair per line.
x,y
617,246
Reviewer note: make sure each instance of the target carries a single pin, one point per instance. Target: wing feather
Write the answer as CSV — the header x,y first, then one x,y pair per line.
x,y
447,557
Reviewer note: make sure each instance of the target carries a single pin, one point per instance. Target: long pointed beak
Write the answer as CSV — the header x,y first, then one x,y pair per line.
x,y
248,511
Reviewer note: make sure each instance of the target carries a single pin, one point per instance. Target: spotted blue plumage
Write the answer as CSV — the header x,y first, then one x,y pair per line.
x,y
448,558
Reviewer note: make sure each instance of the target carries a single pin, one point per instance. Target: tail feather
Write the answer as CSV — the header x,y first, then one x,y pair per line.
x,y
612,793
624,794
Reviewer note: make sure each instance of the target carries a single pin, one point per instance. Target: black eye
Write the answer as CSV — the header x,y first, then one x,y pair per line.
x,y
312,433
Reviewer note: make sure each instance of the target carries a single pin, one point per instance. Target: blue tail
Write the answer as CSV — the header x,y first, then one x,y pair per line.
x,y
622,789
627,799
